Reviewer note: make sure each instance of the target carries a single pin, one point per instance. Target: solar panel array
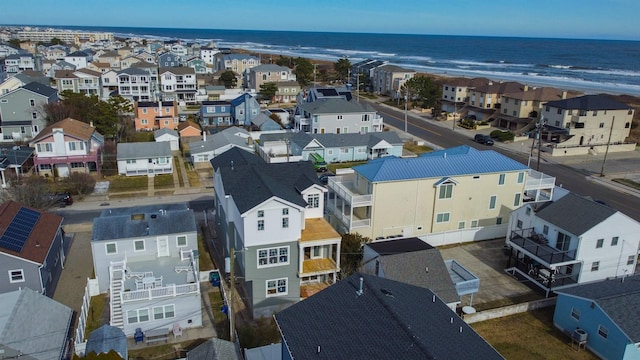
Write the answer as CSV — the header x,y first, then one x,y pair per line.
x,y
19,230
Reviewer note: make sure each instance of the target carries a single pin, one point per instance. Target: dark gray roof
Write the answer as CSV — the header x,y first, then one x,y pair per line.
x,y
589,102
143,150
163,131
107,338
575,213
215,349
33,324
407,260
236,155
335,106
389,320
235,136
619,298
162,219
38,88
252,184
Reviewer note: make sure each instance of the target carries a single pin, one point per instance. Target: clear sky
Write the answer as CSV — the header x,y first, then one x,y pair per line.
x,y
595,19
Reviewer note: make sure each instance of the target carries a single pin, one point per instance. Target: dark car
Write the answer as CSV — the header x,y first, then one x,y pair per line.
x,y
62,198
324,178
483,139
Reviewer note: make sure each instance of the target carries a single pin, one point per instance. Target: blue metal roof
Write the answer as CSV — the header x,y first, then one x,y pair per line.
x,y
461,160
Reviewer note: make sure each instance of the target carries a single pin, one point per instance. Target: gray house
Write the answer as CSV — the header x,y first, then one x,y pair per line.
x,y
145,158
20,111
32,249
146,259
203,151
32,326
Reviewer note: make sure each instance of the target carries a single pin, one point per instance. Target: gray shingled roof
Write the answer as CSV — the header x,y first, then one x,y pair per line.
x,y
335,106
226,137
34,325
117,223
215,349
405,260
575,214
107,338
163,131
252,184
143,150
237,156
43,90
389,320
589,102
619,299
133,71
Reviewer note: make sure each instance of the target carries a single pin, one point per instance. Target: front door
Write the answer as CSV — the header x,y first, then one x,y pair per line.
x,y
163,246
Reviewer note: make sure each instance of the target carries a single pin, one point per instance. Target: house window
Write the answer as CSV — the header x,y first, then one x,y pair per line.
x,y
32,102
519,224
461,225
602,331
614,241
631,259
498,221
595,266
442,217
138,245
136,316
501,179
344,150
492,202
520,178
163,312
16,276
285,211
76,145
601,125
273,256
446,191
44,147
575,313
260,225
528,211
77,165
474,223
339,117
516,200
260,213
181,240
545,229
285,222
277,287
131,161
599,243
144,121
111,248
313,200
144,110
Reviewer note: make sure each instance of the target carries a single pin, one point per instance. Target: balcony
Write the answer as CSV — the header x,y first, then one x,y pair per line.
x,y
344,187
312,267
536,246
539,186
351,221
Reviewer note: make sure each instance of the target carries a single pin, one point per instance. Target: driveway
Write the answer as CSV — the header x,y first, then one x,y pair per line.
x,y
77,268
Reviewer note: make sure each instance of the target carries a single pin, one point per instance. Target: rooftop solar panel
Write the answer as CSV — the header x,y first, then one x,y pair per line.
x,y
19,230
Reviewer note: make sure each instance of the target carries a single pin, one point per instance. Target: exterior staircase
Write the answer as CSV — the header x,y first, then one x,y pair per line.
x,y
117,276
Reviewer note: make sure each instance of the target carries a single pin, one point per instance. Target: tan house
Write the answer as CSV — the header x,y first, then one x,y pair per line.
x,y
484,100
587,124
521,109
388,79
459,192
261,74
455,92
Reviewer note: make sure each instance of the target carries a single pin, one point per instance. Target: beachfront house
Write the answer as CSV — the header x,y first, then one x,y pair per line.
x,y
459,193
336,116
484,101
388,79
455,93
520,110
238,63
146,259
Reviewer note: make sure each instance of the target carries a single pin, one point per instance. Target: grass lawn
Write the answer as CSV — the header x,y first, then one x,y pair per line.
x,y
180,179
529,335
128,183
628,182
416,149
94,316
204,258
163,181
334,166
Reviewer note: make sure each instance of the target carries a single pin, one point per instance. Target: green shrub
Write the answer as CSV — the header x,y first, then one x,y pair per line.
x,y
501,135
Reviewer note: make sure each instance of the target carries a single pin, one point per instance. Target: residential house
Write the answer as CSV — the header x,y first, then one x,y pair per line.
x,y
198,65
146,57
378,318
151,69
155,115
207,54
587,122
189,129
34,326
107,338
365,67
522,108
16,63
388,79
203,151
54,52
168,135
32,247
243,109
79,59
317,93
178,84
455,92
82,81
109,81
145,158
331,147
461,191
336,116
110,57
215,349
272,214
411,261
68,146
146,259
263,122
100,67
15,160
134,84
128,61
267,73
22,79
169,59
20,111
484,101
60,65
570,241
287,92
215,113
6,50
238,63
599,316
282,114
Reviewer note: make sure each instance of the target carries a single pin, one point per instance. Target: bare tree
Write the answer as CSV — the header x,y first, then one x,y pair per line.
x,y
32,191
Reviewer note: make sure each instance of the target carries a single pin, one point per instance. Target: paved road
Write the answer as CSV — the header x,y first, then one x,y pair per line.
x,y
578,175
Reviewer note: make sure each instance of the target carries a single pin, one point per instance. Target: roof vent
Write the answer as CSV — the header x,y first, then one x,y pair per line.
x,y
461,329
359,292
434,298
387,292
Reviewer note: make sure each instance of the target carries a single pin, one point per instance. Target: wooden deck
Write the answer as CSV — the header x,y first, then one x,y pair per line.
x,y
318,229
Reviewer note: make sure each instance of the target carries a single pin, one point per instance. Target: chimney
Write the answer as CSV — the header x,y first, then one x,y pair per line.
x,y
564,94
249,141
91,123
525,88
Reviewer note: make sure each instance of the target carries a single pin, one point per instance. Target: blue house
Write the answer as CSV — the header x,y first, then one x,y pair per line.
x,y
244,108
215,113
606,312
169,59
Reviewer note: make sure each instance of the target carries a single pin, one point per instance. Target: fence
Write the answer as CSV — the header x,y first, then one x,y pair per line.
x,y
508,310
91,289
466,235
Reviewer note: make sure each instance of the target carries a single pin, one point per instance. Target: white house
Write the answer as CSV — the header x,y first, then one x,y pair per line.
x,y
146,259
571,241
145,158
203,151
168,135
336,116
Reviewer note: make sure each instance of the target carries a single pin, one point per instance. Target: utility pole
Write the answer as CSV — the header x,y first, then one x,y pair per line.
x,y
358,86
539,142
455,112
606,152
405,112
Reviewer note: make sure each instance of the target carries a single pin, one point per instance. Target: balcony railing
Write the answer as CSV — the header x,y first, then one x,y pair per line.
x,y
545,278
342,186
537,247
539,180
156,293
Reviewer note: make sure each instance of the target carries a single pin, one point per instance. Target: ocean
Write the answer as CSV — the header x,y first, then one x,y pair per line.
x,y
589,65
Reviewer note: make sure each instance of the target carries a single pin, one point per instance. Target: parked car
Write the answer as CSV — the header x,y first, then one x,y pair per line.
x,y
62,198
324,178
483,139
318,162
